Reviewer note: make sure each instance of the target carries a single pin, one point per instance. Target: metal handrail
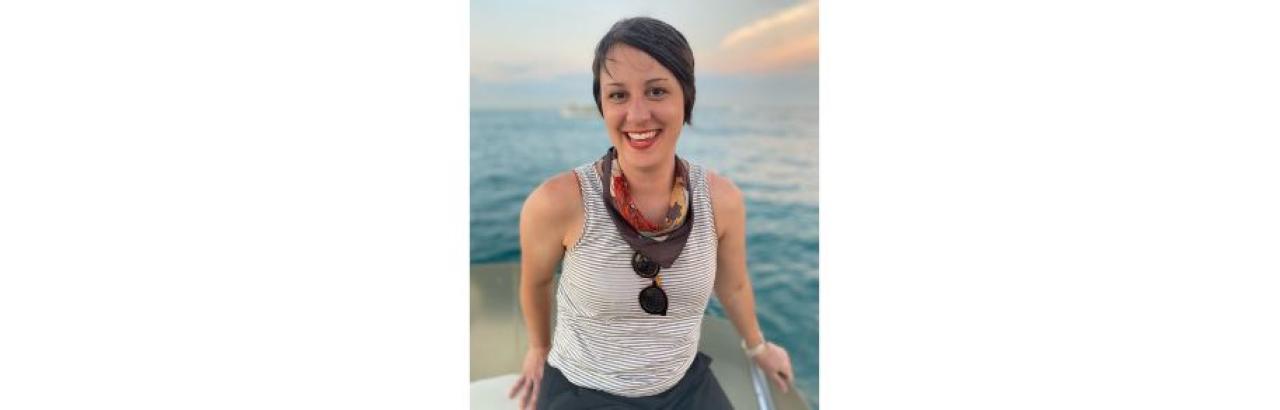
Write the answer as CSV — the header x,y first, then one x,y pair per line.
x,y
764,396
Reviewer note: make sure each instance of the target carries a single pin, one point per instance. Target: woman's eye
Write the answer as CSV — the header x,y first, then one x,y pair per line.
x,y
657,92
616,96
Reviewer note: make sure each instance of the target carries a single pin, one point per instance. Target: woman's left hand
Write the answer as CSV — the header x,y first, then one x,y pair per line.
x,y
776,363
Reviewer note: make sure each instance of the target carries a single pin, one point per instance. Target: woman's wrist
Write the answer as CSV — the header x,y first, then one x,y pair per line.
x,y
756,349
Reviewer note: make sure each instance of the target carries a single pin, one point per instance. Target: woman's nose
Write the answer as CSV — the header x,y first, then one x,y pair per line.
x,y
638,110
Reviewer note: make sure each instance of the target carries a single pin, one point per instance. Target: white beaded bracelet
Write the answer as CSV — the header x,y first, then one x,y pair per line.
x,y
754,351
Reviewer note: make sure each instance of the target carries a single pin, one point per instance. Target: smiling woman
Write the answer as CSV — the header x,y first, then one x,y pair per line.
x,y
643,108
644,238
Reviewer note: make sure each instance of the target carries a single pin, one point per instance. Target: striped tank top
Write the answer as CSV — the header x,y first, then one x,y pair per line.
x,y
603,340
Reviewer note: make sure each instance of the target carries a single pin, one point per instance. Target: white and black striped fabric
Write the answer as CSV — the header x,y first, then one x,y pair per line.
x,y
603,340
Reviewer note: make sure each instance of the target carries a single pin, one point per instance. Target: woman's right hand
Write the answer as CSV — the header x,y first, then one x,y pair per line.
x,y
526,386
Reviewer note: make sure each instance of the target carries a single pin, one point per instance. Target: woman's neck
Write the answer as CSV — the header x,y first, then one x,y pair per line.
x,y
650,182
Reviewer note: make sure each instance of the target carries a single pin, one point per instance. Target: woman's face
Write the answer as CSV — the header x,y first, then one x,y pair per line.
x,y
643,107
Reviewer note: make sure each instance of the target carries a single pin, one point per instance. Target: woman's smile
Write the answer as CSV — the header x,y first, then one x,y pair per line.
x,y
640,140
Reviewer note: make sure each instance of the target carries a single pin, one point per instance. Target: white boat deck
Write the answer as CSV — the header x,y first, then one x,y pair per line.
x,y
498,342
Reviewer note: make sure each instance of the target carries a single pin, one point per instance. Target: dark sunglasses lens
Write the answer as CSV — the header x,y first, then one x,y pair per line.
x,y
653,300
643,266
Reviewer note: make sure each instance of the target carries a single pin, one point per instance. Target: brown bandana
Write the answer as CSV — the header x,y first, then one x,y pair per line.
x,y
660,243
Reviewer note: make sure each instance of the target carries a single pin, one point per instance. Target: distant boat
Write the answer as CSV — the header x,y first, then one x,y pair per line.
x,y
579,111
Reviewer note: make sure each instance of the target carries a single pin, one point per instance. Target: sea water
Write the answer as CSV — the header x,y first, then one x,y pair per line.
x,y
771,153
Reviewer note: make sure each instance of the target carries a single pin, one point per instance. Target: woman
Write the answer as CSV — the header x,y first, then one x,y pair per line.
x,y
644,238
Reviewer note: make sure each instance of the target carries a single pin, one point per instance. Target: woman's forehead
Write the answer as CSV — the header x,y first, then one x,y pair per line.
x,y
624,61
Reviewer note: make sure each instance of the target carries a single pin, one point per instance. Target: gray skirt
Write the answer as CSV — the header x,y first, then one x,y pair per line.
x,y
698,389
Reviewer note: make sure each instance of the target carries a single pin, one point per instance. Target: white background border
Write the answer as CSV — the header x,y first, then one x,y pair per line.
x,y
261,205
1034,205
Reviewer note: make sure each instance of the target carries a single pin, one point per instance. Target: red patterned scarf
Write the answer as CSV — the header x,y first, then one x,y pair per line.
x,y
660,243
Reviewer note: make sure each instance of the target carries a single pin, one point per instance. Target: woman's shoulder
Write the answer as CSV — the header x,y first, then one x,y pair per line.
x,y
726,201
556,198
722,189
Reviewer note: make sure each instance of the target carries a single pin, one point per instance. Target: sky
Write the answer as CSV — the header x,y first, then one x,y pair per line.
x,y
528,54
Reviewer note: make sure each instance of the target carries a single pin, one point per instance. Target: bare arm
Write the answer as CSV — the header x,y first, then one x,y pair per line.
x,y
733,285
544,224
546,221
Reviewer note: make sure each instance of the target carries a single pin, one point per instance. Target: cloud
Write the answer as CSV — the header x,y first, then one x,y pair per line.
x,y
786,39
804,15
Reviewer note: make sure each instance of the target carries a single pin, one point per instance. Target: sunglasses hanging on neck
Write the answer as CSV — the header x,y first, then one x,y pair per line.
x,y
652,298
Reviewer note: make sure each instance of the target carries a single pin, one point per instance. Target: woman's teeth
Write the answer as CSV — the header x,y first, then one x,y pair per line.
x,y
642,135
